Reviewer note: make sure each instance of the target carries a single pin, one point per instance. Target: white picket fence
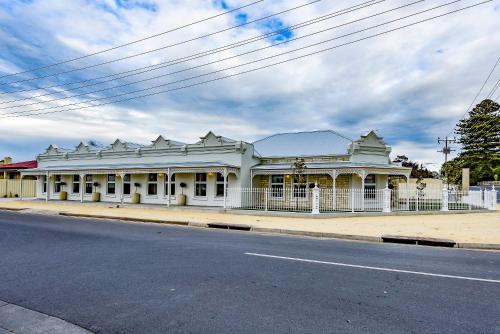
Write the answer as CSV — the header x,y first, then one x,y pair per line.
x,y
357,200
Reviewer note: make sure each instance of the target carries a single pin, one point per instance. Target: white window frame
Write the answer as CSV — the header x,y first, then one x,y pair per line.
x,y
370,185
306,186
220,182
57,183
152,183
44,184
129,182
89,179
282,184
172,185
108,182
75,182
196,183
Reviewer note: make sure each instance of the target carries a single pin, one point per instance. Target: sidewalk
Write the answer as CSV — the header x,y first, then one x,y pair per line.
x,y
19,320
477,228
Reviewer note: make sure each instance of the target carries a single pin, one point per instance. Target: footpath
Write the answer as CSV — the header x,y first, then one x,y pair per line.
x,y
464,229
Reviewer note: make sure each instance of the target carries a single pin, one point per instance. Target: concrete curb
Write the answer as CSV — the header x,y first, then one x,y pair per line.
x,y
142,220
13,209
19,320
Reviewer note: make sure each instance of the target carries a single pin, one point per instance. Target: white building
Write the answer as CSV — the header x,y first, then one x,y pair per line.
x,y
218,171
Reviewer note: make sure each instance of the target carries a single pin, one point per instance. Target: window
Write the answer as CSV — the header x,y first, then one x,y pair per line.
x,y
88,184
111,188
126,184
299,186
172,185
57,184
76,184
370,185
219,185
277,182
152,184
44,184
200,185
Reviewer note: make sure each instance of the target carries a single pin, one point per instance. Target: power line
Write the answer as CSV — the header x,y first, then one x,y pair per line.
x,y
136,41
494,89
478,93
238,55
254,69
226,47
154,50
266,58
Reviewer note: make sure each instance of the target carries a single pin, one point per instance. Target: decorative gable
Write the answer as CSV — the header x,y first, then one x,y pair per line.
x,y
82,148
118,146
210,139
52,150
370,148
161,143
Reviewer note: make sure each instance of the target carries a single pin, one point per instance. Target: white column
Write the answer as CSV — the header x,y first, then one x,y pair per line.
x,y
21,188
224,174
82,186
493,198
444,206
387,199
47,178
122,186
315,200
363,176
168,175
408,192
334,190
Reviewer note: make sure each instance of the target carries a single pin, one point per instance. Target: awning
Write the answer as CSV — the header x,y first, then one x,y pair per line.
x,y
142,168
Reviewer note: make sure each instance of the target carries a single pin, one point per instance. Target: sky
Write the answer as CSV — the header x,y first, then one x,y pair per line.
x,y
411,85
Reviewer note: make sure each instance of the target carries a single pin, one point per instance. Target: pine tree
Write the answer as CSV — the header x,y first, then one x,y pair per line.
x,y
479,135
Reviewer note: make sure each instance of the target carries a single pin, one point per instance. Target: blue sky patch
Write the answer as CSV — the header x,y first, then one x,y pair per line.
x,y
276,24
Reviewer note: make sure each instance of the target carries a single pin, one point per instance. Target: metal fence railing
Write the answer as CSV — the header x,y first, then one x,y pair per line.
x,y
357,200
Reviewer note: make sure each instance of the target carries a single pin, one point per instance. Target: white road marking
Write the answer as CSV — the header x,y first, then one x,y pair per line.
x,y
375,268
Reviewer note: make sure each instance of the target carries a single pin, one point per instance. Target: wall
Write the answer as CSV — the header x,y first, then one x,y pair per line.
x,y
11,188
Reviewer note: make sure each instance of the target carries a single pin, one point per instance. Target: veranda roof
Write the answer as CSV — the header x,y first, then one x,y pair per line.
x,y
134,168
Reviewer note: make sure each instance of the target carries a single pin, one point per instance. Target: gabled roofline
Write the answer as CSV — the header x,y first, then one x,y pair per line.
x,y
313,131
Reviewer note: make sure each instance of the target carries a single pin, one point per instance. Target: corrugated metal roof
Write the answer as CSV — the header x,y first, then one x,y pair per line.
x,y
193,164
296,144
19,165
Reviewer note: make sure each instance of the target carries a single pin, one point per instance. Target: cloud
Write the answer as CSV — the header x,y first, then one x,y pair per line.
x,y
411,86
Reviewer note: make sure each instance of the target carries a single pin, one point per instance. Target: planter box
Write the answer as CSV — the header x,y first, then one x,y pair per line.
x,y
96,197
136,198
181,199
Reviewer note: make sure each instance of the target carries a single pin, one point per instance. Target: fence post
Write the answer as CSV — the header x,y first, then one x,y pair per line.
x,y
444,198
265,198
387,200
315,200
493,198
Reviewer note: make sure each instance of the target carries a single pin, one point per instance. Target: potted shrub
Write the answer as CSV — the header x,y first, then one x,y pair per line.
x,y
63,195
136,197
181,199
96,196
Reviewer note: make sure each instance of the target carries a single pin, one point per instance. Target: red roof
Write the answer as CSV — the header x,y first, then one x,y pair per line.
x,y
20,165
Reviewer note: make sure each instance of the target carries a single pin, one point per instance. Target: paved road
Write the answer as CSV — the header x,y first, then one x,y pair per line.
x,y
115,277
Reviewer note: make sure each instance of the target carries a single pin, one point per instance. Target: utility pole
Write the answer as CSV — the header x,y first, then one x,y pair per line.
x,y
446,150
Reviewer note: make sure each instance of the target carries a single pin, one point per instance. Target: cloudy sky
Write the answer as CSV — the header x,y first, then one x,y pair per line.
x,y
411,85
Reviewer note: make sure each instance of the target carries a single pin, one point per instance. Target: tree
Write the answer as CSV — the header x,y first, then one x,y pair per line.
x,y
417,170
479,136
299,190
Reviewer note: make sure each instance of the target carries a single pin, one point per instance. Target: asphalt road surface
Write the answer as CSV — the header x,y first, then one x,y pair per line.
x,y
116,277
